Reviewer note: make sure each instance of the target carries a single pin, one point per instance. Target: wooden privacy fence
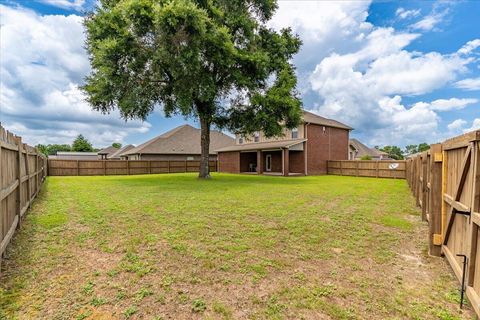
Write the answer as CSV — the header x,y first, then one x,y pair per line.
x,y
446,184
368,168
121,167
22,171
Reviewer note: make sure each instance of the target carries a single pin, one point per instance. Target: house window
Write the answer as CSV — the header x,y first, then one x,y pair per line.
x,y
294,133
256,136
240,140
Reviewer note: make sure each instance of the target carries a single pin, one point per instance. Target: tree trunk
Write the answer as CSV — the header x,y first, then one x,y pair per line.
x,y
204,172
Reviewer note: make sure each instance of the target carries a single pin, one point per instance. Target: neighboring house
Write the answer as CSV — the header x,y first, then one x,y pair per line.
x,y
104,154
181,143
67,155
117,154
302,151
357,150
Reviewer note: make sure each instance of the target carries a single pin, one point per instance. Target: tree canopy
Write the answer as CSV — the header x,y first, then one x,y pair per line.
x,y
414,148
117,145
213,60
393,152
81,144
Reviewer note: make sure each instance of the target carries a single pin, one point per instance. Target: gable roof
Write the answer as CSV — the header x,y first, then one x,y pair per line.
x,y
108,150
363,150
310,117
184,139
120,151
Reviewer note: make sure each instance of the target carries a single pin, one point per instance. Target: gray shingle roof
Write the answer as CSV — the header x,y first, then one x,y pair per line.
x,y
363,150
108,150
184,139
120,151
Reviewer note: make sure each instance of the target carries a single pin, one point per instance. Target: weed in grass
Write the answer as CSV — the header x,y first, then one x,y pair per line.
x,y
97,301
183,298
88,288
222,310
82,316
198,305
130,311
142,293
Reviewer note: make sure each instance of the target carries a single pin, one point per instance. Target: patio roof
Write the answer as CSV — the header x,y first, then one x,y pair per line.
x,y
262,145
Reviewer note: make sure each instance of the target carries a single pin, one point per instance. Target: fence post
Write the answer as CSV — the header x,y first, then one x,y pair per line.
x,y
424,185
378,169
18,141
149,166
27,172
78,168
435,199
168,163
341,168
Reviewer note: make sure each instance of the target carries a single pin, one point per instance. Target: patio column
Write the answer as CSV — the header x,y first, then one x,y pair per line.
x,y
259,162
286,162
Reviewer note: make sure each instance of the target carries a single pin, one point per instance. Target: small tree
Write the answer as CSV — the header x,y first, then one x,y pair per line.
x,y
81,144
423,147
393,152
411,149
117,145
214,61
366,157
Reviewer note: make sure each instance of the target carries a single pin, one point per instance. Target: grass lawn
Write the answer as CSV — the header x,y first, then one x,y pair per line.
x,y
233,247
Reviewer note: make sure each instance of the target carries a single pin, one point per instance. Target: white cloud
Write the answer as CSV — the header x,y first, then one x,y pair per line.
x,y
448,104
470,84
43,62
456,125
402,13
475,125
469,47
66,4
362,82
430,21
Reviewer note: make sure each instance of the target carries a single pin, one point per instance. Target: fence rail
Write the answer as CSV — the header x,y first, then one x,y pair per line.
x,y
446,184
22,171
121,167
368,168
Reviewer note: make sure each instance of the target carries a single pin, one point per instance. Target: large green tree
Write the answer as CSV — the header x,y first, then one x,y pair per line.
x,y
216,61
81,144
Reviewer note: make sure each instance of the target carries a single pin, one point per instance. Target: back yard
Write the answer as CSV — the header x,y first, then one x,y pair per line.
x,y
234,247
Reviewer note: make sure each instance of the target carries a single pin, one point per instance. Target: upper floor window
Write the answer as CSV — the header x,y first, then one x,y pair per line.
x,y
240,140
256,136
294,133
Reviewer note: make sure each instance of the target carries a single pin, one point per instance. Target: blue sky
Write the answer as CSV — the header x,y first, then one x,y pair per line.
x,y
398,72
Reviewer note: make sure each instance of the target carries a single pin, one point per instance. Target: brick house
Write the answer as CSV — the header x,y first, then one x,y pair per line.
x,y
302,151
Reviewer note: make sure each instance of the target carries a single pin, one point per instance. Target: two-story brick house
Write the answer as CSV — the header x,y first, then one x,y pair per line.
x,y
302,151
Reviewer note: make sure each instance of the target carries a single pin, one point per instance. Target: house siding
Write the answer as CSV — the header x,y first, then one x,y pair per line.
x,y
331,144
297,162
229,162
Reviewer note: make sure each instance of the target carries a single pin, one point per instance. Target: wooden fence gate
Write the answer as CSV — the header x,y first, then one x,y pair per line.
x,y
446,183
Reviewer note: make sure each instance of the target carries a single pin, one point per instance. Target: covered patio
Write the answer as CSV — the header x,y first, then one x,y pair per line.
x,y
277,158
